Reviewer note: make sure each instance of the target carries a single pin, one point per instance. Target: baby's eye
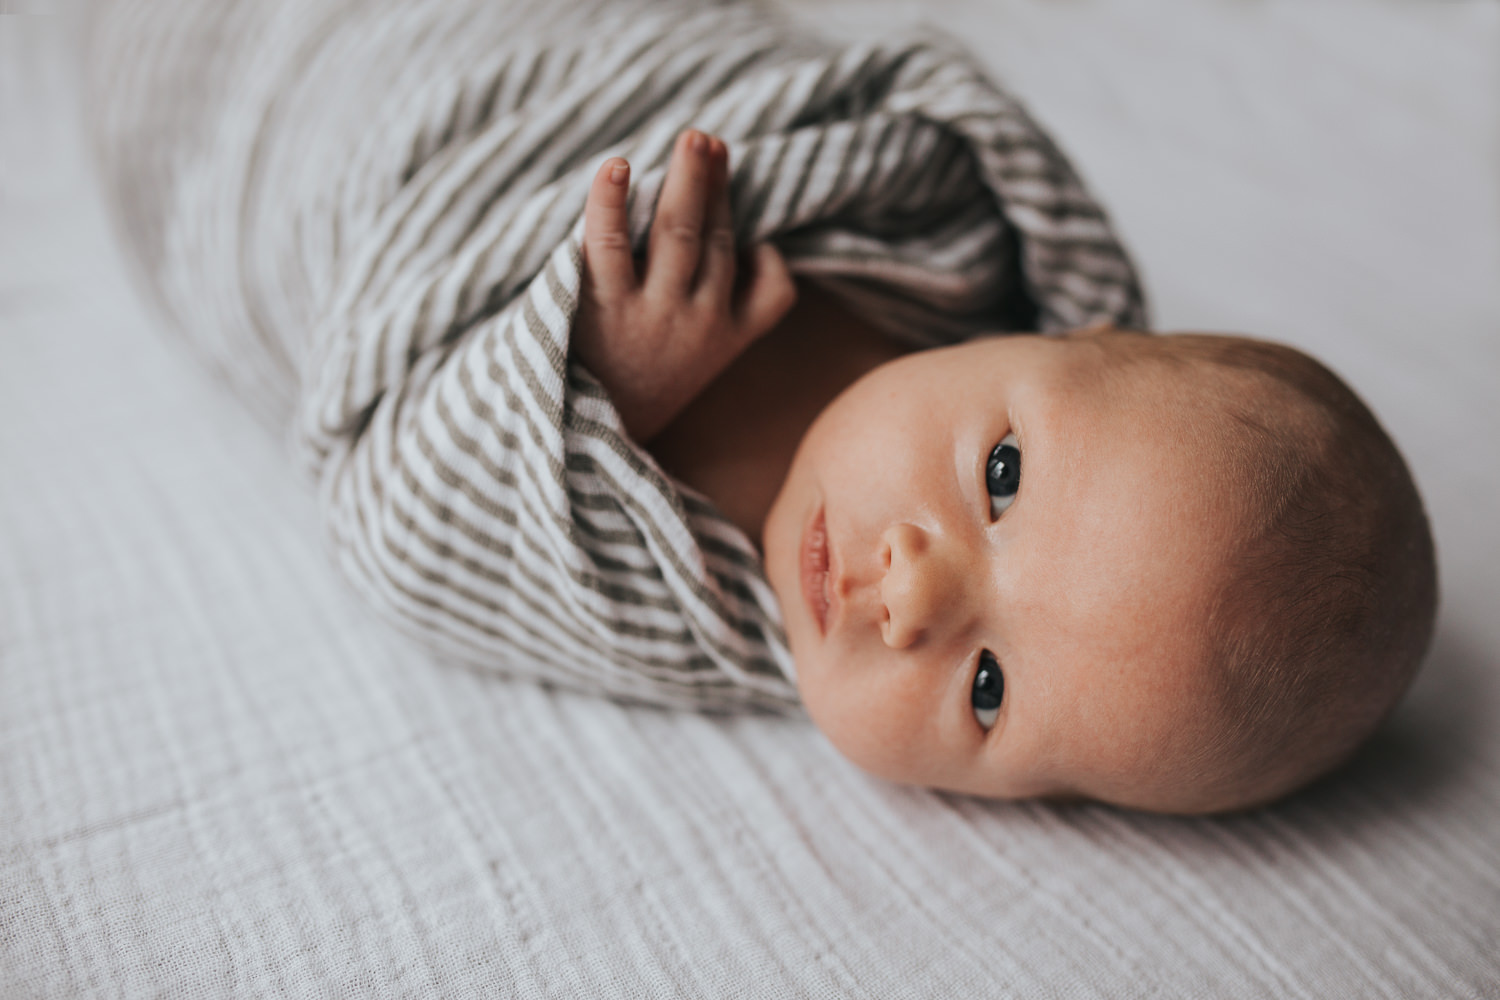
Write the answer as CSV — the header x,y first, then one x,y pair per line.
x,y
1002,474
989,690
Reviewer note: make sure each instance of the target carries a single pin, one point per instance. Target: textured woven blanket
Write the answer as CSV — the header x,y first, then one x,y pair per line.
x,y
367,216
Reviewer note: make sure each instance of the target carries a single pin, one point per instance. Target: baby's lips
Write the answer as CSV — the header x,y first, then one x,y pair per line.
x,y
813,570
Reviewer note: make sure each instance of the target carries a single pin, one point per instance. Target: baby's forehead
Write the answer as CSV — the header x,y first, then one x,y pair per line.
x,y
1134,517
1128,367
1216,373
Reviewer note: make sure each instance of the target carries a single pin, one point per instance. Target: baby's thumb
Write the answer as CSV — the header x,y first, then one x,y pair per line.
x,y
770,292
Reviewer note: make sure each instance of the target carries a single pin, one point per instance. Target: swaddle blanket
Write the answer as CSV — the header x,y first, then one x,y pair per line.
x,y
367,216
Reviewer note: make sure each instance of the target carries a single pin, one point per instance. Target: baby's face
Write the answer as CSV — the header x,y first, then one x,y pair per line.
x,y
958,626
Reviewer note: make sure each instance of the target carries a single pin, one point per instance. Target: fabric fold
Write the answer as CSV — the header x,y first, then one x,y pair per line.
x,y
393,210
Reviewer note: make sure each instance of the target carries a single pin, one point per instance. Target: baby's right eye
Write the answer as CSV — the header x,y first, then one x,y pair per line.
x,y
989,690
1002,474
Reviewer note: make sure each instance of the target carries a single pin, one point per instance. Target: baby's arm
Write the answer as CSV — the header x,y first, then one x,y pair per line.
x,y
657,336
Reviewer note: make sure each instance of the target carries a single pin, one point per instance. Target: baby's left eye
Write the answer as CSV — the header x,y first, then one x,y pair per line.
x,y
1002,474
989,691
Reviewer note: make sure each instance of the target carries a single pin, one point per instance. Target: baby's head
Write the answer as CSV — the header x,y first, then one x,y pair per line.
x,y
1181,573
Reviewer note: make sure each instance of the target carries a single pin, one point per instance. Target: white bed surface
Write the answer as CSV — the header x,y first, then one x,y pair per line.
x,y
219,777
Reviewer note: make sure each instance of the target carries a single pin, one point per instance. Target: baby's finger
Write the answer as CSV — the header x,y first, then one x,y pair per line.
x,y
716,276
677,233
606,232
769,294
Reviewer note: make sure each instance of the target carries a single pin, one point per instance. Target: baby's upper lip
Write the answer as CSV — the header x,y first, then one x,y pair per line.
x,y
835,577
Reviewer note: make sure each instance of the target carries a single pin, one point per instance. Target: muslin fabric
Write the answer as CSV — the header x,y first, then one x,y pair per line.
x,y
220,776
368,217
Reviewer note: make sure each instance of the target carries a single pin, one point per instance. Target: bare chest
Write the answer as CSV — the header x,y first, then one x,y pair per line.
x,y
736,440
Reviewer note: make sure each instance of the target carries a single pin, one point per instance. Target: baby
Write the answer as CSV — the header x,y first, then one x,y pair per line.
x,y
1182,573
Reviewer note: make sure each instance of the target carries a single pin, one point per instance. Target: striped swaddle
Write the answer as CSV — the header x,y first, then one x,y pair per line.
x,y
367,216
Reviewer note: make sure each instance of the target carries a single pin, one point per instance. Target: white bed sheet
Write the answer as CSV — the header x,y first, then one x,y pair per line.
x,y
219,777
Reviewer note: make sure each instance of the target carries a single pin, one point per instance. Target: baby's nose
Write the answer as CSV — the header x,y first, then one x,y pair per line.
x,y
922,590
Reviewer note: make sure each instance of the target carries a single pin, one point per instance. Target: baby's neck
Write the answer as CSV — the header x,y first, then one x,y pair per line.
x,y
734,443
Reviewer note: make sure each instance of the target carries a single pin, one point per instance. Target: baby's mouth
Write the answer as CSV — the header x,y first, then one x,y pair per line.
x,y
815,570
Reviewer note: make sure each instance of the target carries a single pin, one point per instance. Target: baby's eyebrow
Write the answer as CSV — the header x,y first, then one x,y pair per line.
x,y
1014,421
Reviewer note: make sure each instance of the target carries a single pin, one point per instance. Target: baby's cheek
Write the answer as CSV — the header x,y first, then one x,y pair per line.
x,y
883,721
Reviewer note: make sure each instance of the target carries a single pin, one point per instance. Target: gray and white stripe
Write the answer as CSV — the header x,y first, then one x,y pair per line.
x,y
367,216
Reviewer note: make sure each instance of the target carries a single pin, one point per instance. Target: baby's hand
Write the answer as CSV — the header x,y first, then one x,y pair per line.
x,y
656,336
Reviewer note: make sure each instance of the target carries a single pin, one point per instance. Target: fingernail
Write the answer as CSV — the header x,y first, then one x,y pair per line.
x,y
698,142
619,172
